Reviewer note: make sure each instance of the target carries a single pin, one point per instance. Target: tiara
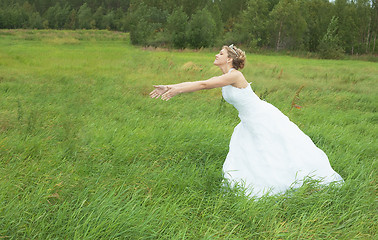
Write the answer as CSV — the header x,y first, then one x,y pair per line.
x,y
233,48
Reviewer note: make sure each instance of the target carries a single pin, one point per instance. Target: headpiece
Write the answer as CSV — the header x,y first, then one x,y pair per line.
x,y
233,48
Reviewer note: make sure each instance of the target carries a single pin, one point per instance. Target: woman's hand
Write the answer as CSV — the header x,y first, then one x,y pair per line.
x,y
172,91
164,91
159,90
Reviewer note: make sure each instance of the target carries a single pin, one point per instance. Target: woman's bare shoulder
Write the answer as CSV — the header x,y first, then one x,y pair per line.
x,y
240,82
236,73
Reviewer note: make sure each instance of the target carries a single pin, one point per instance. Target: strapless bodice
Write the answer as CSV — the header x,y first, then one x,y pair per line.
x,y
243,99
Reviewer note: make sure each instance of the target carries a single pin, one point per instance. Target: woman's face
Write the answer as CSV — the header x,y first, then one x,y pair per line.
x,y
221,58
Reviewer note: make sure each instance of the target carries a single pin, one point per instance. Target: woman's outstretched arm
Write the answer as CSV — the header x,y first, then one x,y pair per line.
x,y
168,91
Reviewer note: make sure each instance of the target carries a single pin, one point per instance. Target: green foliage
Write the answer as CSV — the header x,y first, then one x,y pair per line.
x,y
254,27
145,22
109,21
288,25
85,18
363,18
57,16
202,29
347,29
13,16
216,14
329,46
232,9
295,25
72,20
98,16
317,20
177,24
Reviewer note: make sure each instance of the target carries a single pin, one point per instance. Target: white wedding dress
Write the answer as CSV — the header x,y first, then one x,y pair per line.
x,y
268,153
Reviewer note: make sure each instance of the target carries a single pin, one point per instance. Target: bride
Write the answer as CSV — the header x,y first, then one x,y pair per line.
x,y
268,154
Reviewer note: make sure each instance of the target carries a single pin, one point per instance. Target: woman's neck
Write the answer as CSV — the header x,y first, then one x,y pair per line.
x,y
226,69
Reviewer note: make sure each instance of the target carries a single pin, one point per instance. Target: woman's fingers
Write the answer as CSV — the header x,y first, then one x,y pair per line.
x,y
153,94
161,90
166,96
158,91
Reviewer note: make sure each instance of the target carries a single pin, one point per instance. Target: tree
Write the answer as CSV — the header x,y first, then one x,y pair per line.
x,y
317,14
98,16
254,23
84,16
57,16
35,20
145,23
288,25
202,29
117,23
363,21
190,7
13,16
374,26
348,29
109,21
231,12
71,22
176,28
329,46
232,9
216,14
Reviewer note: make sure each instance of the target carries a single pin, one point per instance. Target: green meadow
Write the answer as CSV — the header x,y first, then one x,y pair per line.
x,y
86,154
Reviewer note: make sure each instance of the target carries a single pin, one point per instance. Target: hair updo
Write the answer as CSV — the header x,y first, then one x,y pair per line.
x,y
237,55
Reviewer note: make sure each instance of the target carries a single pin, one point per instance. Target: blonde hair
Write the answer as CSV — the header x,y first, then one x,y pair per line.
x,y
237,55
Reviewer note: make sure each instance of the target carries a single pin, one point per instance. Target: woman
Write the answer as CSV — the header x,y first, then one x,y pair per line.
x,y
268,153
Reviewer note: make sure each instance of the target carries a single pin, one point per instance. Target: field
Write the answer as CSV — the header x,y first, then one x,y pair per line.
x,y
86,154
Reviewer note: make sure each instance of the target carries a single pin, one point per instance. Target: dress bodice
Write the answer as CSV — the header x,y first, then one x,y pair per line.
x,y
243,99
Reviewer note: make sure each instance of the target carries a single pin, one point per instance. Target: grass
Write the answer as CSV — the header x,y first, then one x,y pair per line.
x,y
86,154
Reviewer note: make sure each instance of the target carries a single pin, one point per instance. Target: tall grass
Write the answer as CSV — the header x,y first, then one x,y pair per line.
x,y
86,154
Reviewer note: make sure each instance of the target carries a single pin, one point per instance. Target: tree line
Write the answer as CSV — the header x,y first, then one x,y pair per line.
x,y
328,27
